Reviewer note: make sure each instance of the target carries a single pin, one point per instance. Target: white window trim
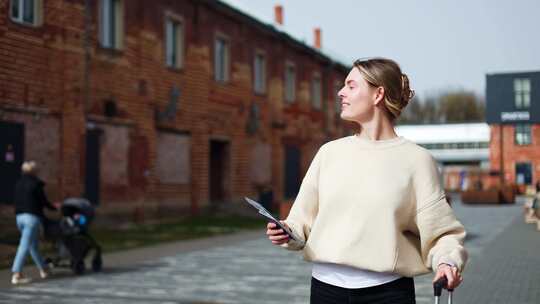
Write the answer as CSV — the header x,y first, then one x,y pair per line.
x,y
38,13
180,40
519,131
118,42
522,95
292,98
262,89
316,104
227,59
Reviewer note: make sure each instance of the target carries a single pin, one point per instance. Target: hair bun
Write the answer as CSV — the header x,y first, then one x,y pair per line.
x,y
406,93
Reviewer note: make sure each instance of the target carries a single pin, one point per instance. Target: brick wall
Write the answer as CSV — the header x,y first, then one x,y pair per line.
x,y
44,68
41,144
513,153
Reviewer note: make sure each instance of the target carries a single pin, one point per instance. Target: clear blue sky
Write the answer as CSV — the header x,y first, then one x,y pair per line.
x,y
440,44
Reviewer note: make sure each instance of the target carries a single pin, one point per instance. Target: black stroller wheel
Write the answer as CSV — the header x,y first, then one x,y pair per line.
x,y
97,263
79,267
49,262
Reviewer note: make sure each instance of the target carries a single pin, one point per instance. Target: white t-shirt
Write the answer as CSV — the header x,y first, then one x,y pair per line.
x,y
350,277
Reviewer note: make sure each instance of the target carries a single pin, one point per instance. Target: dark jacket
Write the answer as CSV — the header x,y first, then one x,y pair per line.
x,y
30,197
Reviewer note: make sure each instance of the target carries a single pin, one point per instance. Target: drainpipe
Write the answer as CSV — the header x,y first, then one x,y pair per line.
x,y
86,47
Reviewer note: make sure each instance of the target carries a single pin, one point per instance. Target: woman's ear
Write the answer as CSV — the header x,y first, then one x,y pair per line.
x,y
378,95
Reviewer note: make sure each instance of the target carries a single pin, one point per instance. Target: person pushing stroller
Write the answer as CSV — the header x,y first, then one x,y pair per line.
x,y
30,200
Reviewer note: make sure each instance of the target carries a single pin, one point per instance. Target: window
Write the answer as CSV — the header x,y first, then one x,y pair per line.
x,y
290,82
221,60
337,101
522,93
458,145
259,73
174,42
111,25
522,134
27,11
316,98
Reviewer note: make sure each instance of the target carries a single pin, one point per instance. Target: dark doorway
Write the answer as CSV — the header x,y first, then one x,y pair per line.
x,y
292,171
11,158
91,185
219,156
523,173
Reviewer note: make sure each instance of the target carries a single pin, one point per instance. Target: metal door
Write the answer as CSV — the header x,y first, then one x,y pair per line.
x,y
11,158
292,171
91,189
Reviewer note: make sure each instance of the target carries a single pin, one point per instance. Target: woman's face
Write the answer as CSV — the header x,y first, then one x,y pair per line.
x,y
357,98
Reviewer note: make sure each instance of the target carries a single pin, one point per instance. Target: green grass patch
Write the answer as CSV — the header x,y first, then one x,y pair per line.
x,y
188,228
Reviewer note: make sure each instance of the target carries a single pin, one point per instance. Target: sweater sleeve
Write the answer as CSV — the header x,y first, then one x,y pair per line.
x,y
305,206
441,234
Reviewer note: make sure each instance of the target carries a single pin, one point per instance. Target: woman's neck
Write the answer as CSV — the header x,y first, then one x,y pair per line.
x,y
377,129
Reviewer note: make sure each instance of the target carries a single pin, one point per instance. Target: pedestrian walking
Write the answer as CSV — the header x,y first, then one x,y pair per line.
x,y
371,213
30,200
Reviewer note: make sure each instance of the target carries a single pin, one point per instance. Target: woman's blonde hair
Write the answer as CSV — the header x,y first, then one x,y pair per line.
x,y
29,167
386,73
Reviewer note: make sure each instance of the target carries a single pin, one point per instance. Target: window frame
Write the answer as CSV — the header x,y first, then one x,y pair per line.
x,y
521,136
522,93
290,97
262,89
37,12
178,22
316,93
226,66
111,36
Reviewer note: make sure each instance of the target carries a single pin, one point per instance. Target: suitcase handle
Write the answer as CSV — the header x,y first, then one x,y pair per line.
x,y
439,285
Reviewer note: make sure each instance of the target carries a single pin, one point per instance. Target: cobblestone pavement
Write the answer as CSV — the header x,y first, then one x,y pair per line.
x,y
254,271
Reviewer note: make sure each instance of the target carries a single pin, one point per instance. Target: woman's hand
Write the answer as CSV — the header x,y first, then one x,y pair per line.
x,y
452,274
276,234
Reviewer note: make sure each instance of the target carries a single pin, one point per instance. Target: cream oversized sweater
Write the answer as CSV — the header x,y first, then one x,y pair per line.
x,y
378,206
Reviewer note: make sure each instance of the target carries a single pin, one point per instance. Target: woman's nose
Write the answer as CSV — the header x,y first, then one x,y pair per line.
x,y
340,93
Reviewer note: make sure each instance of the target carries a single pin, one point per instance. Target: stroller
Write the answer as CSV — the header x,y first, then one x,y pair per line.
x,y
71,238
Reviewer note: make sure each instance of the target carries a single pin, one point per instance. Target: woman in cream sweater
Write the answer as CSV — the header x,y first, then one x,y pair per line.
x,y
371,213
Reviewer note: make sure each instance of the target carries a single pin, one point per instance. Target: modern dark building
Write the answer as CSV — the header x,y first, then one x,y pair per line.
x,y
513,113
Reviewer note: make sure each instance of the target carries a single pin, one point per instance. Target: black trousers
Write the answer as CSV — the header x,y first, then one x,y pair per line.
x,y
400,291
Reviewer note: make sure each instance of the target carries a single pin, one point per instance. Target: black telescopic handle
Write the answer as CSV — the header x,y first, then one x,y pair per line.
x,y
439,285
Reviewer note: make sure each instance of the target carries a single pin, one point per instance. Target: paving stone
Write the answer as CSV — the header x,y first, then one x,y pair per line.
x,y
504,267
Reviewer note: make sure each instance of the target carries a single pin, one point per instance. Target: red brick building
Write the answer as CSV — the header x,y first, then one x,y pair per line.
x,y
162,105
521,163
513,113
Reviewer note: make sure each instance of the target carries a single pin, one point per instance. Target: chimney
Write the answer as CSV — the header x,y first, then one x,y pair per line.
x,y
278,14
317,38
